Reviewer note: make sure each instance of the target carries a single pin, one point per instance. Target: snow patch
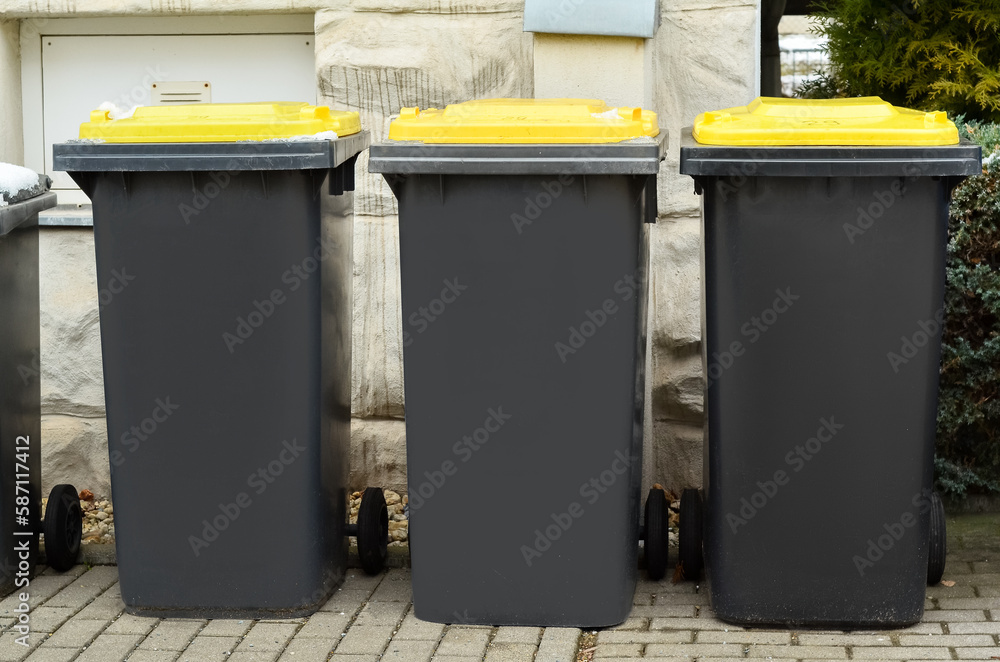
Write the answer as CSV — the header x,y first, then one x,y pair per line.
x,y
14,179
117,113
607,115
322,135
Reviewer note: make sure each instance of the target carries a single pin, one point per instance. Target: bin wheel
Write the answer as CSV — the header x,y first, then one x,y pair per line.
x,y
689,539
657,520
938,541
373,531
62,527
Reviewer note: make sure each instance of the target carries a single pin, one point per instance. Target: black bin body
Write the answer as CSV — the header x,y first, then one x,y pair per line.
x,y
225,272
823,296
20,391
523,272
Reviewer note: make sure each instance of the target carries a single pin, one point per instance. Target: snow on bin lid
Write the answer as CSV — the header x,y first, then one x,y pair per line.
x,y
859,121
221,122
524,121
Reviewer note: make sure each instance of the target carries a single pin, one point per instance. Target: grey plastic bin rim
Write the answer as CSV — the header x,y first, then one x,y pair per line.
x,y
632,157
959,160
11,216
201,157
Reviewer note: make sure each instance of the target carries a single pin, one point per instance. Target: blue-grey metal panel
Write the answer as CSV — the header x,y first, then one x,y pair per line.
x,y
623,18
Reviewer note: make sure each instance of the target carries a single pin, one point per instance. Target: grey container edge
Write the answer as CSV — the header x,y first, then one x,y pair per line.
x,y
551,549
232,334
845,247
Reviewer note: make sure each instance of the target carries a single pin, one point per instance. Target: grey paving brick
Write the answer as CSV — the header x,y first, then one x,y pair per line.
x,y
517,635
556,651
942,591
110,648
82,591
666,586
355,580
663,611
414,628
75,633
644,637
382,613
969,603
355,658
632,623
395,587
48,619
642,598
694,650
226,627
324,624
988,591
617,651
799,652
946,640
978,653
307,650
463,641
921,628
743,637
558,635
981,627
52,655
510,652
10,649
702,623
267,637
209,649
129,624
899,653
953,615
365,640
848,639
141,655
41,589
700,599
982,579
411,650
254,656
984,567
103,608
172,635
346,601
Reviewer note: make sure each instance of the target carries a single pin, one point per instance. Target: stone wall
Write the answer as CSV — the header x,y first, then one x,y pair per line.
x,y
375,56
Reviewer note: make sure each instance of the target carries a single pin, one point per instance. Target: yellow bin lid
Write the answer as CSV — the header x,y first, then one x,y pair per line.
x,y
859,121
219,123
524,121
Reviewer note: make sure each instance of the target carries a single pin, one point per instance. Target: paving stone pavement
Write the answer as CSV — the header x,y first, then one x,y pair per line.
x,y
79,616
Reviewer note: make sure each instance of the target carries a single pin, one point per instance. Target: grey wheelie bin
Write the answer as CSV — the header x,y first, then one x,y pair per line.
x,y
223,234
825,229
23,194
523,252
